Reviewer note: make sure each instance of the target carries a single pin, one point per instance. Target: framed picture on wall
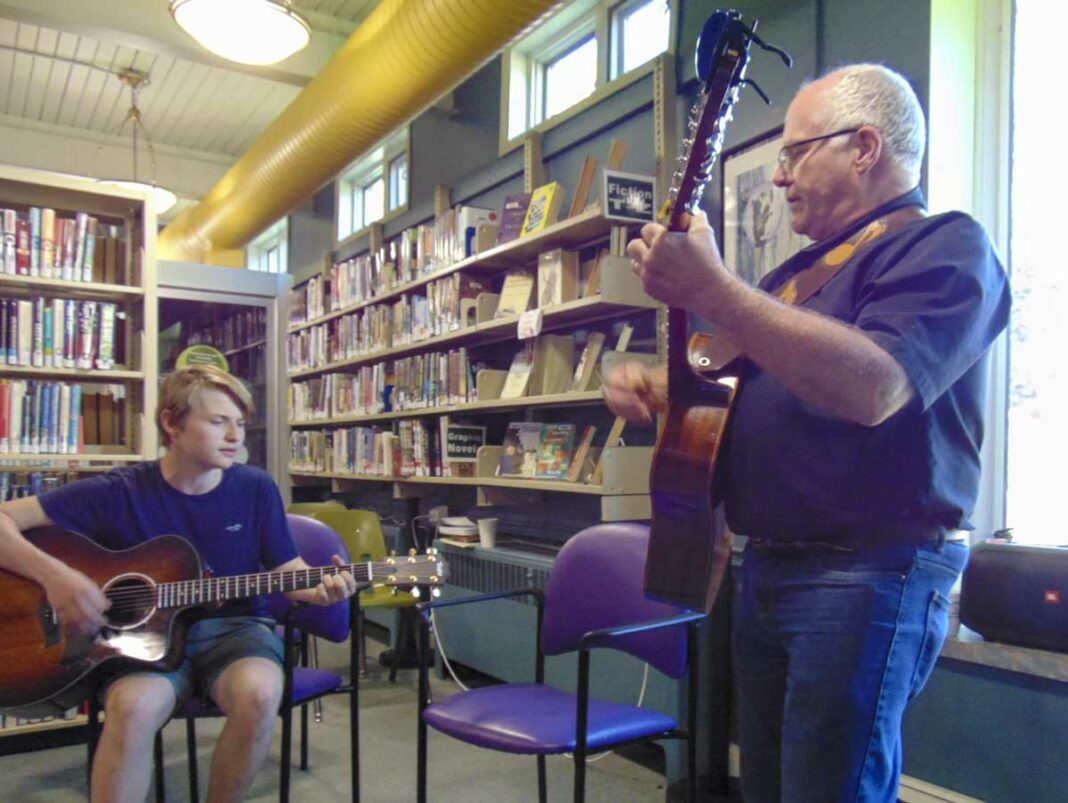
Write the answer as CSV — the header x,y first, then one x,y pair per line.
x,y
756,218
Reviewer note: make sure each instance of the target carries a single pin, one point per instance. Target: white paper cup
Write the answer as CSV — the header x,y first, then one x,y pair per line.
x,y
487,532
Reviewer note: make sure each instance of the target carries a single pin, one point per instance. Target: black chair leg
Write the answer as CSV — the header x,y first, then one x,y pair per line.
x,y
691,766
580,776
304,738
287,753
191,751
403,628
157,760
543,794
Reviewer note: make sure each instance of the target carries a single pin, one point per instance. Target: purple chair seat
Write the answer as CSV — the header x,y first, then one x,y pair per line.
x,y
537,719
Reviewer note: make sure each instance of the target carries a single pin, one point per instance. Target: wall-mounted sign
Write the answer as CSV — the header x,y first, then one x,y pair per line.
x,y
629,196
462,442
202,355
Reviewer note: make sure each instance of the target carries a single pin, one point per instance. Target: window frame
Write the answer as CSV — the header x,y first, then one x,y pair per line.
x,y
617,16
275,240
350,189
522,81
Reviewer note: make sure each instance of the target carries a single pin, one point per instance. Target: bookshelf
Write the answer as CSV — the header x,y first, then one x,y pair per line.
x,y
623,493
113,418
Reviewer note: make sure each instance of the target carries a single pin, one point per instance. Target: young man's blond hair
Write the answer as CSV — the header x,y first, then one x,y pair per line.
x,y
178,390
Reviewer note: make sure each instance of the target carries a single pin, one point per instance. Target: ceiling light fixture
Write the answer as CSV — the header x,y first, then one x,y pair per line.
x,y
246,31
162,199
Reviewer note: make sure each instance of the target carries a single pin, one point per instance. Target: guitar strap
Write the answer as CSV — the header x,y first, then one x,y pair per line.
x,y
807,283
711,352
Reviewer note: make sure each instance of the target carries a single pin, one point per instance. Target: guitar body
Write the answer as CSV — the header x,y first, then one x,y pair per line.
x,y
688,545
45,668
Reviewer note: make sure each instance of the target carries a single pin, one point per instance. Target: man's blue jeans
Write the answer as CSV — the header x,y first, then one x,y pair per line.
x,y
829,646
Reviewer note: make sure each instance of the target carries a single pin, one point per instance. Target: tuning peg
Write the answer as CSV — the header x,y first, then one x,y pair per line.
x,y
435,592
432,552
434,578
393,591
412,553
416,592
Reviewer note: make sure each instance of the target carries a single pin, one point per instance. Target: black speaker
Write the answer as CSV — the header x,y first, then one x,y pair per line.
x,y
1018,594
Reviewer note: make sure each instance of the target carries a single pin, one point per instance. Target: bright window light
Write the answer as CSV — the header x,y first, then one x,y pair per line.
x,y
373,201
398,182
1038,335
571,77
642,30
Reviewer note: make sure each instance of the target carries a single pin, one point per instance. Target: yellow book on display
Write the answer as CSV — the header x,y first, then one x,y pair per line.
x,y
544,207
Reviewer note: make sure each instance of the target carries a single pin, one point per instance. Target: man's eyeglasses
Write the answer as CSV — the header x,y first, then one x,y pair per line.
x,y
790,155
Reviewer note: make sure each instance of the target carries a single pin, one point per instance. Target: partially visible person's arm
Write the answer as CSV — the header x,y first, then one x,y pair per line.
x,y
77,600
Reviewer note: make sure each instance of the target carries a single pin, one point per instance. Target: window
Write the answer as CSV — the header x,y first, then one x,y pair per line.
x,y
366,185
570,78
1037,434
268,252
574,54
398,182
640,30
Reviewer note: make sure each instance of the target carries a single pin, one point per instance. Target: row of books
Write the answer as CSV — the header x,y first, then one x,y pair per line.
x,y
235,331
362,392
40,417
438,447
434,379
36,242
432,447
425,249
57,333
19,484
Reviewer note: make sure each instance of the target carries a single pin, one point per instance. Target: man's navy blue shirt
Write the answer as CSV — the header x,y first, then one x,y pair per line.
x,y
934,295
239,527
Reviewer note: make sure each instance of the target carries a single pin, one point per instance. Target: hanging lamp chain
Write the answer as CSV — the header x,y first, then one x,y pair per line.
x,y
137,80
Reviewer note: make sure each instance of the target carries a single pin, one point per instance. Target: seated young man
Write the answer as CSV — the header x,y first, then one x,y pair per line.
x,y
233,516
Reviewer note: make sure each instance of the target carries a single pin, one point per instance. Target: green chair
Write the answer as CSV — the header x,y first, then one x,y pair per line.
x,y
361,530
311,508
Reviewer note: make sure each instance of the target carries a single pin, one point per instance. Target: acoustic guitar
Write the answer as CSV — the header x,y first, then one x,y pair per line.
x,y
46,668
688,546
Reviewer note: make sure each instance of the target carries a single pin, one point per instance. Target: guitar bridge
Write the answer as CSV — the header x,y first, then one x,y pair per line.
x,y
53,633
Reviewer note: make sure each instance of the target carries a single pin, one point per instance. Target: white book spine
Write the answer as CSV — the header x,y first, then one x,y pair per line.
x,y
14,424
48,242
58,311
64,418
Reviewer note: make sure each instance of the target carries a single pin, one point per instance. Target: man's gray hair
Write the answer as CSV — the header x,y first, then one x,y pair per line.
x,y
871,94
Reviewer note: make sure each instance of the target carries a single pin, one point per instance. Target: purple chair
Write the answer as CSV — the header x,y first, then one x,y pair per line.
x,y
316,543
594,598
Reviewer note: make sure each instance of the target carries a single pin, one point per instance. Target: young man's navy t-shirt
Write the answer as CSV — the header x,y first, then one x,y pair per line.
x,y
239,527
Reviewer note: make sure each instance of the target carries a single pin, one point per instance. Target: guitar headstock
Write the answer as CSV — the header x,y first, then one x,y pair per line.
x,y
413,569
721,58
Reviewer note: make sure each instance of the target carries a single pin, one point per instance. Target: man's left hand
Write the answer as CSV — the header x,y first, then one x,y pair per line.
x,y
335,587
681,269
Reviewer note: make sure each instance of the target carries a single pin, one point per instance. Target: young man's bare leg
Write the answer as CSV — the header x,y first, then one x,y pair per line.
x,y
249,691
135,707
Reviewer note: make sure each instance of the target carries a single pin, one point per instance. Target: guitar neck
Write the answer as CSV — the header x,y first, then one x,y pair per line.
x,y
242,586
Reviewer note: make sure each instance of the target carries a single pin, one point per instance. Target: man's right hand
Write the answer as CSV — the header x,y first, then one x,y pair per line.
x,y
78,601
636,392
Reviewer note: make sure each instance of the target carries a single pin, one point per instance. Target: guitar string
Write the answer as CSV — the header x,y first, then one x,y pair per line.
x,y
126,596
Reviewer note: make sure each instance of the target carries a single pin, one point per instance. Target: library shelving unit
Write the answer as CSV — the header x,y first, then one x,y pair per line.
x,y
117,402
623,491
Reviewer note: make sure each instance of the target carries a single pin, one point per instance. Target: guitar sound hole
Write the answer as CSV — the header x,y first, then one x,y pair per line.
x,y
132,600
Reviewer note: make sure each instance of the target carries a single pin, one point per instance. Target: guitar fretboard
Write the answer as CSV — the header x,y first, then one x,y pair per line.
x,y
217,589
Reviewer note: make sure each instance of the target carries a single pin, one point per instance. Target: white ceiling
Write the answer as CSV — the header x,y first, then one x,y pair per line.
x,y
202,112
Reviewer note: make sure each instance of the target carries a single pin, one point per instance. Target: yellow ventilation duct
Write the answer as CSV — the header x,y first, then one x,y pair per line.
x,y
402,58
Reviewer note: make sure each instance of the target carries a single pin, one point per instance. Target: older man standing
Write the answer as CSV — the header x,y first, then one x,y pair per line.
x,y
853,454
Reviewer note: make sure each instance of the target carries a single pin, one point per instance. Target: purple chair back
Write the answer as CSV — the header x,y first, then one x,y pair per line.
x,y
316,543
598,581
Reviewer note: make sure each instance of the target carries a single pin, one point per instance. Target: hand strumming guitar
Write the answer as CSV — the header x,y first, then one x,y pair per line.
x,y
635,391
79,603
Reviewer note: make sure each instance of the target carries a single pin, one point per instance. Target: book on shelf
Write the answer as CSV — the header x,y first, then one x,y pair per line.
x,y
518,379
554,360
544,208
578,471
588,361
519,452
515,294
554,453
557,276
38,417
591,280
468,219
38,243
513,212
